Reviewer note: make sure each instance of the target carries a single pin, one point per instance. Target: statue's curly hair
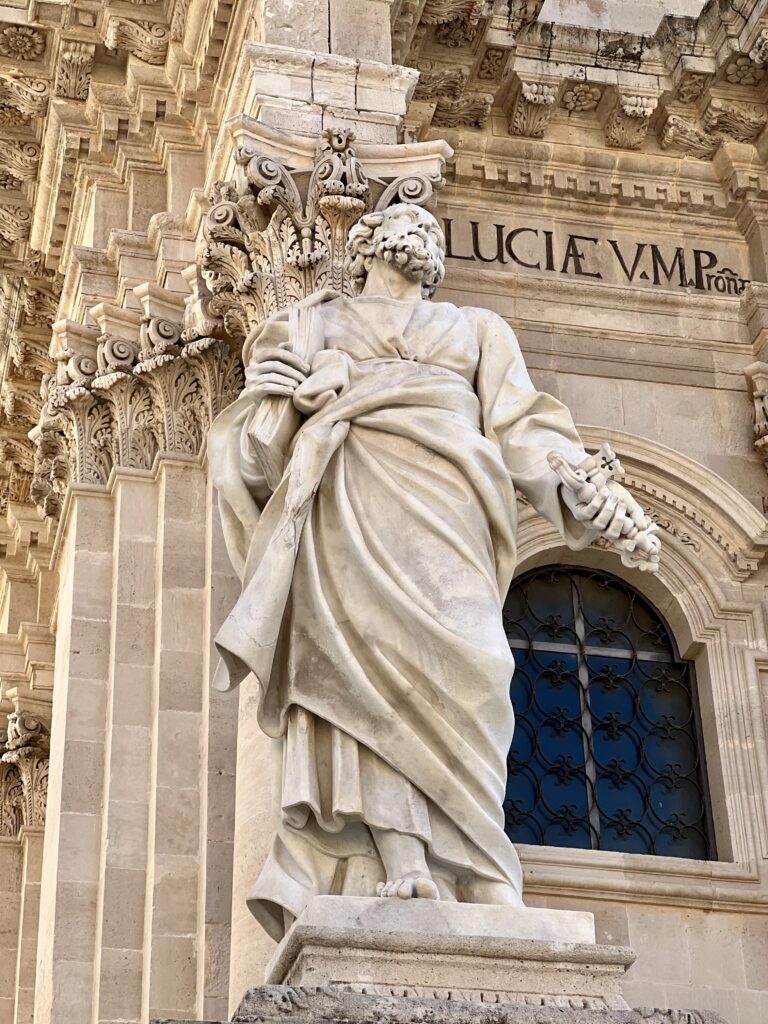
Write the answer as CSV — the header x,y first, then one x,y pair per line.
x,y
419,252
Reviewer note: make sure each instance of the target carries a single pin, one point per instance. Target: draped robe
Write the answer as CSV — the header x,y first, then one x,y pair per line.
x,y
373,583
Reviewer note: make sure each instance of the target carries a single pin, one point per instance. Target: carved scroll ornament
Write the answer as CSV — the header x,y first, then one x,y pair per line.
x,y
153,381
269,243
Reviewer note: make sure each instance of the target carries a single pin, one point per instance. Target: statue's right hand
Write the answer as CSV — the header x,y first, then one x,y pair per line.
x,y
275,371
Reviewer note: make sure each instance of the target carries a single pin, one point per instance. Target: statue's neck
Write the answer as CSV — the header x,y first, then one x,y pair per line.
x,y
384,279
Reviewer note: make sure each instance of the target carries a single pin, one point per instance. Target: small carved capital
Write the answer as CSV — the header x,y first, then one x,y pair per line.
x,y
532,108
628,123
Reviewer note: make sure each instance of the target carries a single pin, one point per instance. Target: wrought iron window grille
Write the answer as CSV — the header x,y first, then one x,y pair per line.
x,y
607,752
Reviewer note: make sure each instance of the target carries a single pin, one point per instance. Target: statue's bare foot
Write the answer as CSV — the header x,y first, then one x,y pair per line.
x,y
414,885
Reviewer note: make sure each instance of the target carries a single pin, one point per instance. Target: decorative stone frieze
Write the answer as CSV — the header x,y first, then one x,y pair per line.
x,y
743,71
492,64
21,42
581,97
629,121
691,86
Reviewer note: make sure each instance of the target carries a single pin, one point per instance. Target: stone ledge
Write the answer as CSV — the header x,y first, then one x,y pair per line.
x,y
269,1003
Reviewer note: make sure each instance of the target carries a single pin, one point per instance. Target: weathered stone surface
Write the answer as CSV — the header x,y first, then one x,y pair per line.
x,y
268,1003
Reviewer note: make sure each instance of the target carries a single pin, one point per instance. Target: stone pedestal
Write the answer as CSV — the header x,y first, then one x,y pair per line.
x,y
388,961
451,951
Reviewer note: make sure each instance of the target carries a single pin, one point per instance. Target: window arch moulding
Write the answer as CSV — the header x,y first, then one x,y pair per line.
x,y
709,589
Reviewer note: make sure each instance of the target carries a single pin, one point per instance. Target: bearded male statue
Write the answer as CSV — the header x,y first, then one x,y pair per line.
x,y
367,480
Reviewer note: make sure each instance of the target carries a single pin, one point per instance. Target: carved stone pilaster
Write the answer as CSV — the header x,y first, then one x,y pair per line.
x,y
628,123
27,750
532,108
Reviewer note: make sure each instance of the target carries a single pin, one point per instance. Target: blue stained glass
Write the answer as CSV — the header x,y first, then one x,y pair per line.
x,y
605,753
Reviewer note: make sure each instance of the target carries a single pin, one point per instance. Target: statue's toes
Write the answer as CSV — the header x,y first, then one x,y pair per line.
x,y
425,889
380,889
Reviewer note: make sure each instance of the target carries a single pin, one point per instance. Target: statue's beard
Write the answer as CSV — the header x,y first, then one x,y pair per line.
x,y
408,253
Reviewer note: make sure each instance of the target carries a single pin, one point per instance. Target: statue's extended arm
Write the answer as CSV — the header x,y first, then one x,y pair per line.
x,y
546,460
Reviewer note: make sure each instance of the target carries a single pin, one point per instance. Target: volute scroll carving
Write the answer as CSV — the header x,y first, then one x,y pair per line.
x,y
149,382
271,238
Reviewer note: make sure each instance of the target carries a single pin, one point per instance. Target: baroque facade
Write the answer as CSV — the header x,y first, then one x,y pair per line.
x,y
173,171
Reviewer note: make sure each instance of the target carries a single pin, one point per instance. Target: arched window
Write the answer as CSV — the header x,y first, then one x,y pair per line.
x,y
606,753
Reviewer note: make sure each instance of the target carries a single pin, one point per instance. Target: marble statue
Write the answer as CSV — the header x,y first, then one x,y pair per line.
x,y
367,480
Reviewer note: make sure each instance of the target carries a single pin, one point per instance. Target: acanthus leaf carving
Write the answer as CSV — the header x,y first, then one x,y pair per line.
x,y
267,246
532,108
680,133
179,20
438,82
28,95
73,70
24,772
471,110
15,222
146,40
20,158
736,120
436,12
628,123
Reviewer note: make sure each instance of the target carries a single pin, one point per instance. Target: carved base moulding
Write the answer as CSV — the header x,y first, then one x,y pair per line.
x,y
451,950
